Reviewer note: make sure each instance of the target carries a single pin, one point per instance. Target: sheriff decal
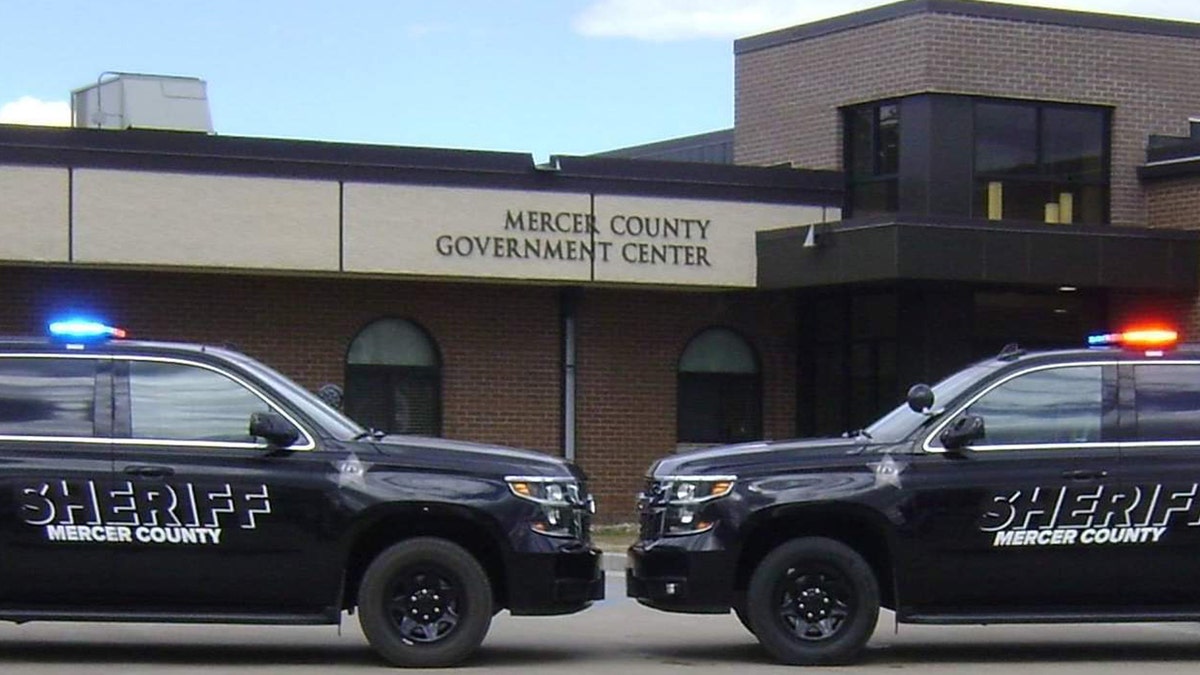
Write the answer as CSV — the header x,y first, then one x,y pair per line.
x,y
163,513
1068,516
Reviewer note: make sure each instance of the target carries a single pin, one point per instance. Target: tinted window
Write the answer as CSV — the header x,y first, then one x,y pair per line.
x,y
1005,138
872,157
719,389
394,379
1059,405
1073,141
1168,403
47,397
180,402
1041,161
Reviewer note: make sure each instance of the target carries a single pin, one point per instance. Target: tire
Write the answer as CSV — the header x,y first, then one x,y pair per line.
x,y
813,601
425,603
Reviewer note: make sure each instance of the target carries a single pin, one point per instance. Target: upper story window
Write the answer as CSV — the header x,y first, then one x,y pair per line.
x,y
873,158
1041,161
719,389
394,379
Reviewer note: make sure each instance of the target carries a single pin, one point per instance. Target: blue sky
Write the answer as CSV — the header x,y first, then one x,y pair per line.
x,y
538,76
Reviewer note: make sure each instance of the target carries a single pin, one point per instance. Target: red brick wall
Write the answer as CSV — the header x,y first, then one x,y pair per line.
x,y
629,348
500,345
501,348
787,96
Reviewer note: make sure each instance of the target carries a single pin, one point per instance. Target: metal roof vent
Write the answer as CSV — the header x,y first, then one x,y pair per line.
x,y
141,101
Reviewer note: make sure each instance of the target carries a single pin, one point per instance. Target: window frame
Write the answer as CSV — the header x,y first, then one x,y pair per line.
x,y
1130,438
876,177
1040,175
102,423
1109,411
434,373
122,428
755,379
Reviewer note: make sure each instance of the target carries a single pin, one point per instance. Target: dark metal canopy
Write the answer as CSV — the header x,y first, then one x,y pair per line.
x,y
898,248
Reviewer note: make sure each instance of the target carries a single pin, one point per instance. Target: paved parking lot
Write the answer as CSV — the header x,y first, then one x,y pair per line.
x,y
617,635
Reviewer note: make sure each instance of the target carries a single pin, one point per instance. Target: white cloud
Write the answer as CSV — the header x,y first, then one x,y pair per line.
x,y
668,20
30,110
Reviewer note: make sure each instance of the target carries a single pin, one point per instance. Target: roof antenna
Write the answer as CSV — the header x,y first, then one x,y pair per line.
x,y
1011,352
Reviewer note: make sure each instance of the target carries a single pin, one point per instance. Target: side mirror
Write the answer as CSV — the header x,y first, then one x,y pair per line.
x,y
920,398
274,428
964,430
331,394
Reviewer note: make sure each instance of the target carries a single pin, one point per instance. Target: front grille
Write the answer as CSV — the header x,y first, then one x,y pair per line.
x,y
650,509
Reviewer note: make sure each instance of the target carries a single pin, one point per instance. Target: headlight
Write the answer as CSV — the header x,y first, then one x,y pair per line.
x,y
683,497
559,499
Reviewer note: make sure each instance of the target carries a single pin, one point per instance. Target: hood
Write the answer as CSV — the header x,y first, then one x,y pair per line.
x,y
764,456
476,458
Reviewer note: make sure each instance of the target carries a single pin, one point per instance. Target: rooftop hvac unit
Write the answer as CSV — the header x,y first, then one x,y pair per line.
x,y
139,101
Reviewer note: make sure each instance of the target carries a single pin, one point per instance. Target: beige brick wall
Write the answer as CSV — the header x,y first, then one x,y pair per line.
x,y
787,96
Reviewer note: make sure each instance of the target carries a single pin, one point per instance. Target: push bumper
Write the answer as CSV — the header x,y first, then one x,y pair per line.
x,y
555,583
666,575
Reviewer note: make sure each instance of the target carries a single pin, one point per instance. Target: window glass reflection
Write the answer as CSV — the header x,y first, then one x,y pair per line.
x,y
47,397
1072,141
1168,403
174,401
1005,138
1060,405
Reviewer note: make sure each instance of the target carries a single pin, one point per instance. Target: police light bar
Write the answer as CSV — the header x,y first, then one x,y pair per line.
x,y
83,329
1145,338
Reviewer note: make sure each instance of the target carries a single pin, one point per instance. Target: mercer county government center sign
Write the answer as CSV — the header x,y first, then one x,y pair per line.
x,y
98,216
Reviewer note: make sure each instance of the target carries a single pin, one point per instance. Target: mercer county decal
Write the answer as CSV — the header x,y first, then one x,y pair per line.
x,y
1063,516
171,514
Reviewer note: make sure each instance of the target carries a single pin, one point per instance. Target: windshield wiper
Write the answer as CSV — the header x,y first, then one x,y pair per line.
x,y
373,434
858,433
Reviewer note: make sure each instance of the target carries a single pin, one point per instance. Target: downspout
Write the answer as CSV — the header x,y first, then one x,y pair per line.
x,y
567,304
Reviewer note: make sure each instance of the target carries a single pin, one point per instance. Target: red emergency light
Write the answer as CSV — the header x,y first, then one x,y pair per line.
x,y
1137,338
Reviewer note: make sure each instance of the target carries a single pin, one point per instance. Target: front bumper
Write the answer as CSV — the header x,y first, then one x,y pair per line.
x,y
562,582
676,574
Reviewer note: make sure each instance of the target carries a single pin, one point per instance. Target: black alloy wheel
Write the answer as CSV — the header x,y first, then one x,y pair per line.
x,y
425,602
425,605
813,601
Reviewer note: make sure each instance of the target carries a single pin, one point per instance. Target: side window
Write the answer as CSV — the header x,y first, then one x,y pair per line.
x,y
1167,402
47,397
179,402
1058,405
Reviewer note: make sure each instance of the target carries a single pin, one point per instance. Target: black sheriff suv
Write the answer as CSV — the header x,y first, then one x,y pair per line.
x,y
162,482
1031,487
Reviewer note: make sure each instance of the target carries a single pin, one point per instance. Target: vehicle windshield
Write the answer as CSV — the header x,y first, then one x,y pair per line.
x,y
333,421
902,421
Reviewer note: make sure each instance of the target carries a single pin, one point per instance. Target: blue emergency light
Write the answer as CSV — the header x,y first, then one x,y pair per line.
x,y
83,330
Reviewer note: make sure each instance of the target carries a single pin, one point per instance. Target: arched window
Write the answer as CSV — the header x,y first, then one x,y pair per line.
x,y
394,379
719,389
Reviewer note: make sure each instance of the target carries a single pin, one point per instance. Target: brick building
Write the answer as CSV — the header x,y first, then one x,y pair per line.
x,y
966,174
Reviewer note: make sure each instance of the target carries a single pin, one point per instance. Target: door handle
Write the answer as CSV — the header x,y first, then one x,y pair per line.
x,y
150,471
1085,474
